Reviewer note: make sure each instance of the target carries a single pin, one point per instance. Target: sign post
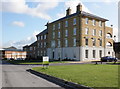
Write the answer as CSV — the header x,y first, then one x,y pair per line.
x,y
45,61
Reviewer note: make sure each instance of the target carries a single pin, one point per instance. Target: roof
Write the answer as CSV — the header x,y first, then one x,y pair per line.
x,y
83,14
13,50
34,44
12,47
43,32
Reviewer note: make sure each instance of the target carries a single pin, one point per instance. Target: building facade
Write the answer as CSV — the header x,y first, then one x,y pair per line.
x,y
42,41
14,53
80,36
31,50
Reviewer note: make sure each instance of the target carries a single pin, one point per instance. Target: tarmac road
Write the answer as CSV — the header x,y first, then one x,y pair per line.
x,y
17,76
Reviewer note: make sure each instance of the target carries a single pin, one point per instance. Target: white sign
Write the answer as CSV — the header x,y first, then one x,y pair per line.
x,y
46,58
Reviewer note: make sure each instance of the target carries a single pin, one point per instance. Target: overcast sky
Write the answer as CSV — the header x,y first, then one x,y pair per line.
x,y
23,19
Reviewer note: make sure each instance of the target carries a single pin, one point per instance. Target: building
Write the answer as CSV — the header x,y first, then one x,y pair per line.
x,y
39,48
42,42
31,50
12,52
80,36
116,47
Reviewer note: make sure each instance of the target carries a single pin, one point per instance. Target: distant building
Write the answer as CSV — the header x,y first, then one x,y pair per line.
x,y
12,52
116,47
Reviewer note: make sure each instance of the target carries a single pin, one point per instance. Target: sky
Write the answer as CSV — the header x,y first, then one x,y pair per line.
x,y
22,20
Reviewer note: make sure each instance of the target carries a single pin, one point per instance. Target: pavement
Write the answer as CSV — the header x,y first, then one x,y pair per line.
x,y
17,76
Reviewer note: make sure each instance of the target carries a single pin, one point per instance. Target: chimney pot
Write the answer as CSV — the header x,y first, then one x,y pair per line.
x,y
68,11
79,7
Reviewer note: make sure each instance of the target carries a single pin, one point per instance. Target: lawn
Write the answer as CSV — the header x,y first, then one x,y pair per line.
x,y
86,74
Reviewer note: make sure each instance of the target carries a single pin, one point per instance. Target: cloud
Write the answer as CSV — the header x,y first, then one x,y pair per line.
x,y
18,23
27,41
20,7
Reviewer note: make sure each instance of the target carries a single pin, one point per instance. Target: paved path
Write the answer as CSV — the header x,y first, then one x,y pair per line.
x,y
16,76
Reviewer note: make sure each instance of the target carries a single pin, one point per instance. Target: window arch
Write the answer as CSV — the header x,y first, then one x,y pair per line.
x,y
109,44
108,35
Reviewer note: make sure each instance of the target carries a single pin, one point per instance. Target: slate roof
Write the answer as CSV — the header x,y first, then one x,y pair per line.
x,y
43,32
83,14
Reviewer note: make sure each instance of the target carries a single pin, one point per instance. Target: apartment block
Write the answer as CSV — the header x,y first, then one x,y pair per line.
x,y
80,36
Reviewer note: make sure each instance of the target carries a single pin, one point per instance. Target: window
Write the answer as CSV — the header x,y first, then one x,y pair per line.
x,y
66,32
86,21
44,44
66,42
86,53
38,45
58,43
44,52
94,32
66,23
53,43
94,22
100,23
100,33
31,48
53,35
94,54
58,25
86,31
41,53
74,41
41,37
86,41
108,36
74,31
74,21
109,44
94,41
41,44
100,42
54,27
38,37
59,34
44,36
100,53
38,53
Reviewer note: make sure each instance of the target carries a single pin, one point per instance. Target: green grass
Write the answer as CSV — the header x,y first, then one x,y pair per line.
x,y
87,74
31,62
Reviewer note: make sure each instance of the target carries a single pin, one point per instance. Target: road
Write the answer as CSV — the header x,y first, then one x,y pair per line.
x,y
17,76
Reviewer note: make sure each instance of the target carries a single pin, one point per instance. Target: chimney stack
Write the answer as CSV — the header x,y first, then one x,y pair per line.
x,y
79,8
68,11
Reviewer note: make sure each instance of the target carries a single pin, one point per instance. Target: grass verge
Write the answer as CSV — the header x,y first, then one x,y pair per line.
x,y
88,74
31,62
